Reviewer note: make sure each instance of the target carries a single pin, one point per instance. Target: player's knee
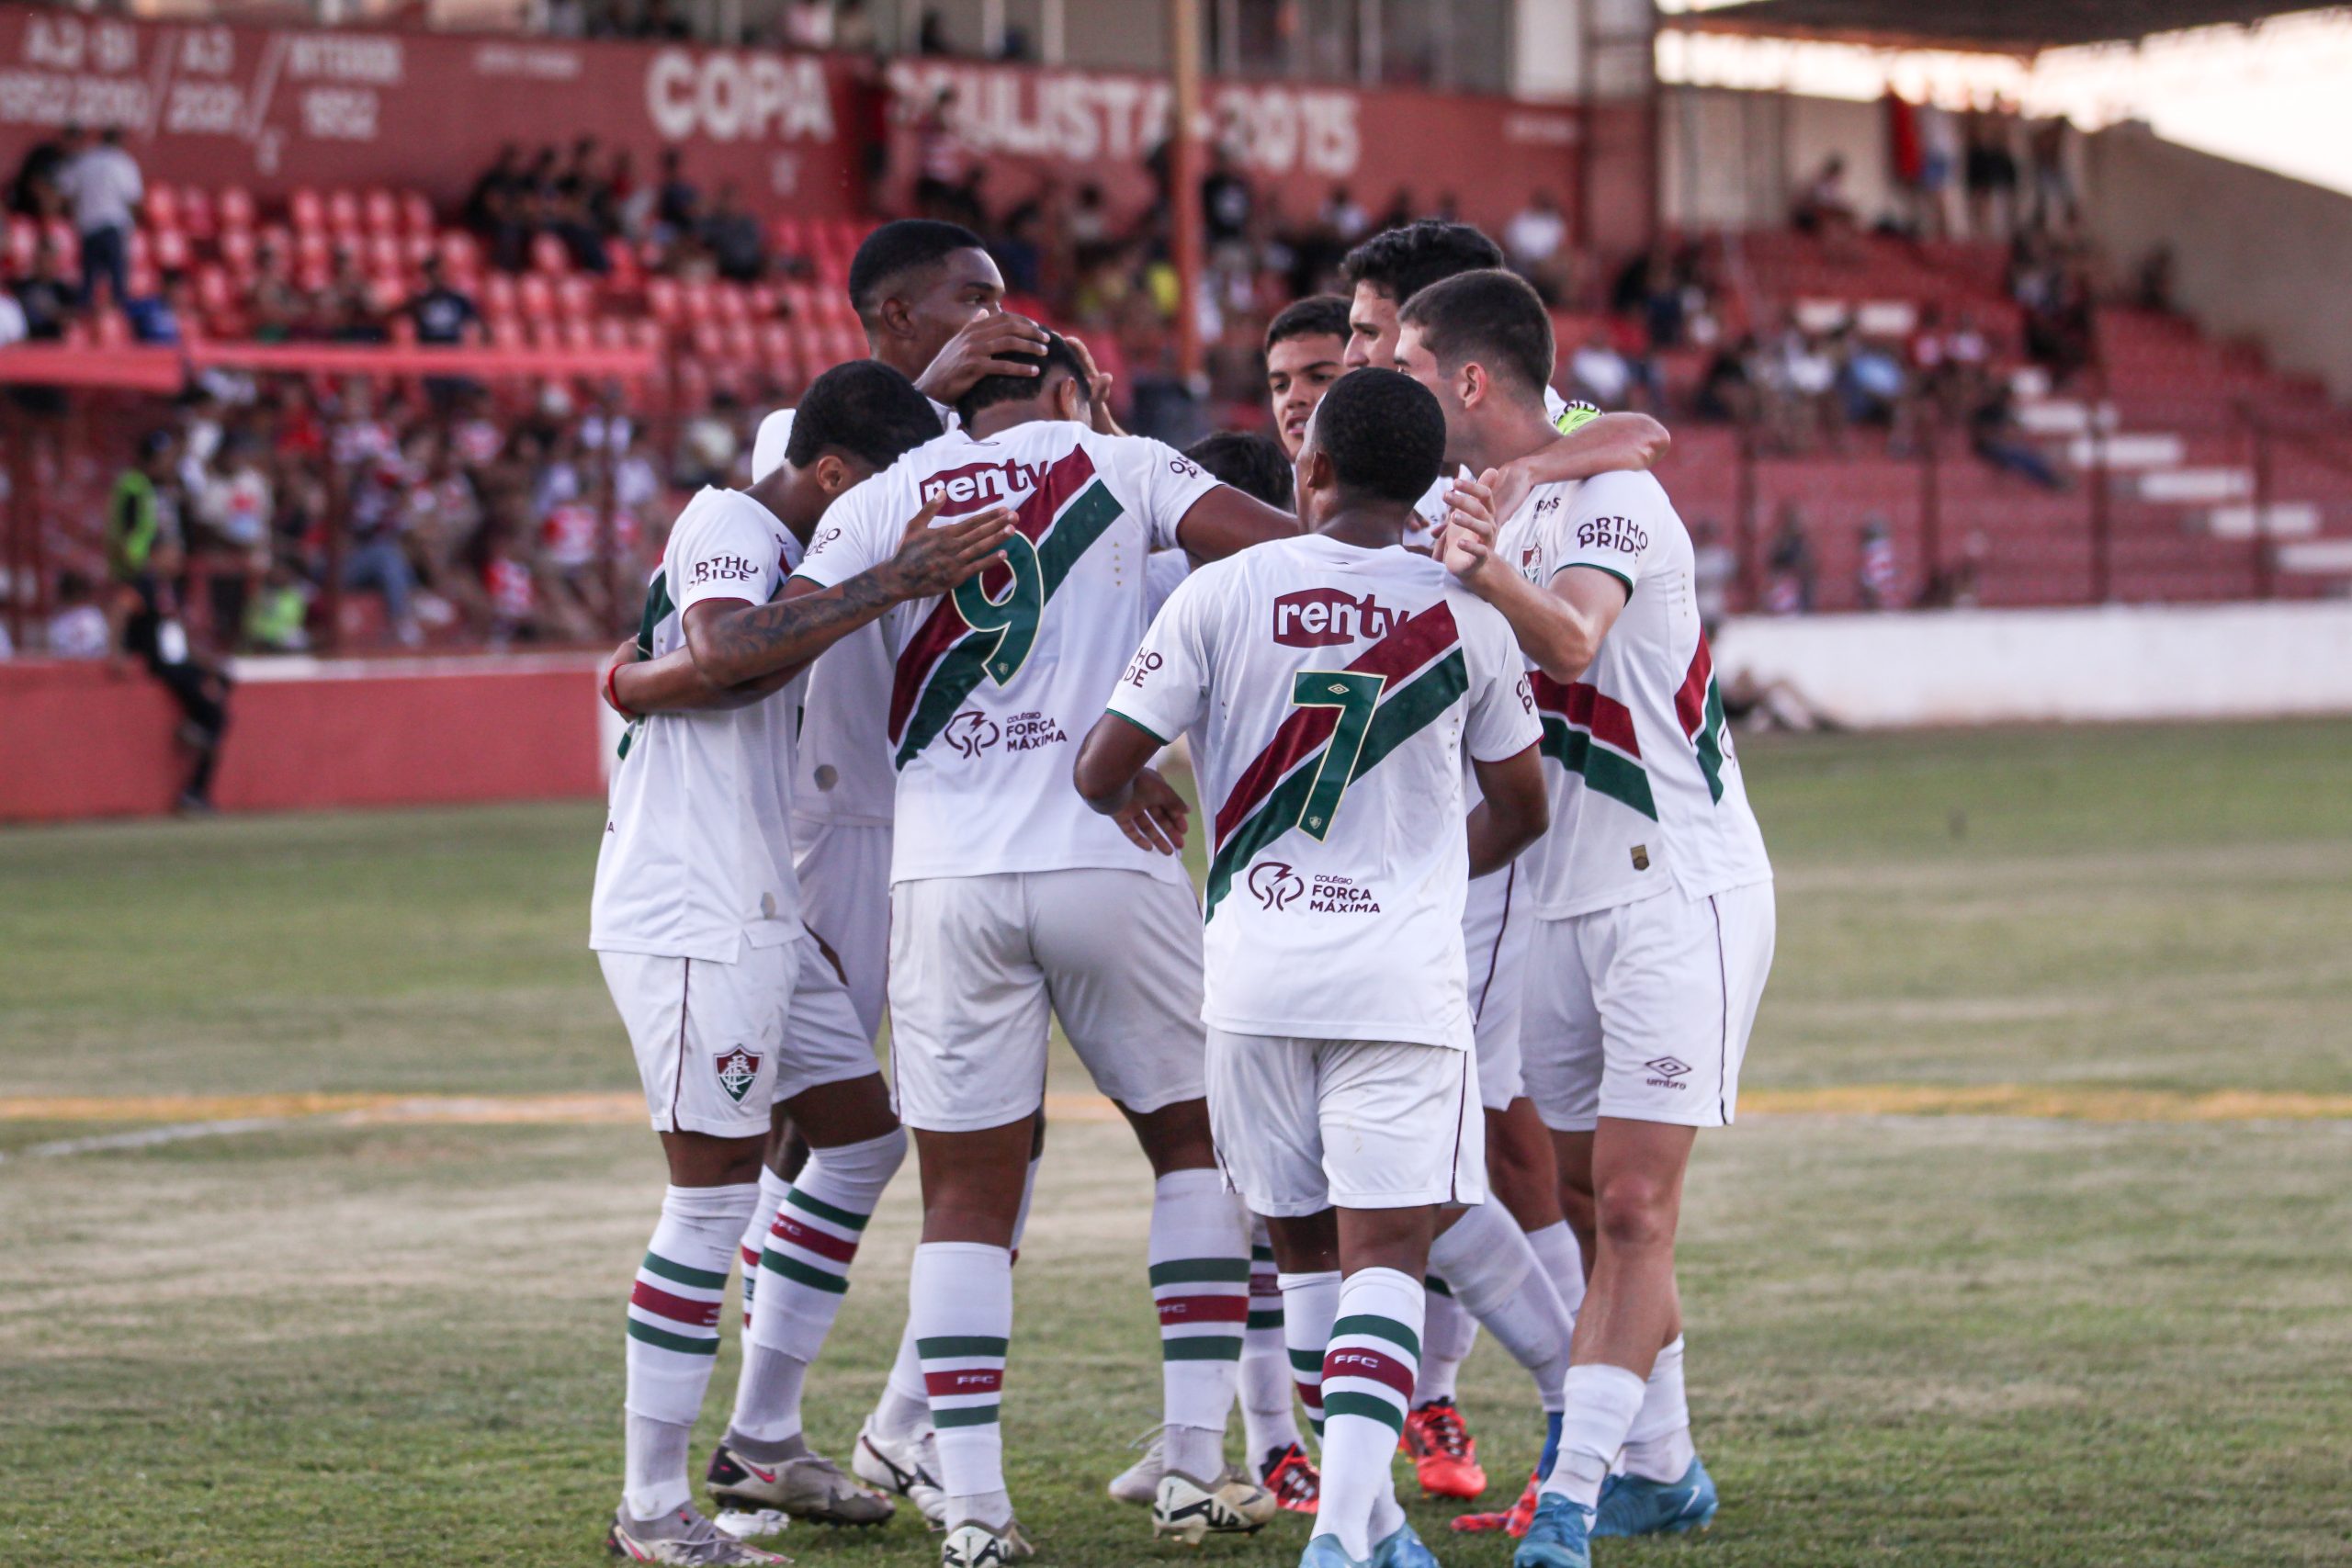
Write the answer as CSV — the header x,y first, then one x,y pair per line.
x,y
1636,1212
874,1160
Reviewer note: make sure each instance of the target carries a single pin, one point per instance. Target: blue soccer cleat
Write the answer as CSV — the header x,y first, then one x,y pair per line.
x,y
1560,1537
1400,1548
1631,1506
1325,1551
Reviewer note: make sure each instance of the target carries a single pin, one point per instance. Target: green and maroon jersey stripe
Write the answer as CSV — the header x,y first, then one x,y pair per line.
x,y
946,658
1421,662
1592,736
1700,706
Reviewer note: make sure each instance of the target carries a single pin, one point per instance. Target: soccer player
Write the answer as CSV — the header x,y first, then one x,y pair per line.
x,y
1383,272
1306,345
1653,896
1335,686
696,923
1009,902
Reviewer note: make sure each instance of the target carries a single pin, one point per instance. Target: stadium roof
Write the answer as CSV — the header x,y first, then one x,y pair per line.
x,y
2003,27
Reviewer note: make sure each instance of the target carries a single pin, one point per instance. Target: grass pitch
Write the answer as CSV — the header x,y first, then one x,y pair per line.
x,y
2078,1338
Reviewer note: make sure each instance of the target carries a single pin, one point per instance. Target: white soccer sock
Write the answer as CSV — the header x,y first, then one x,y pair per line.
x,y
1199,1256
1446,1344
1310,1303
804,1273
755,1235
1266,1405
1562,1260
673,1337
1658,1445
1485,1255
1602,1402
904,1409
962,1309
1367,1388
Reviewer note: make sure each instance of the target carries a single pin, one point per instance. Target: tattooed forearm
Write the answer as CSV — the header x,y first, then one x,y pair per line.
x,y
779,638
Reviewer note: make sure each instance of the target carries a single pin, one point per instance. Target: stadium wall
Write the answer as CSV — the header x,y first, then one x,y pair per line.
x,y
2115,662
307,735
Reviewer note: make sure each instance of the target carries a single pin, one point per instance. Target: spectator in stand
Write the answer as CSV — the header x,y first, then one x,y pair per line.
x,y
733,237
1727,391
104,194
1824,208
853,28
77,627
1992,172
493,192
275,622
34,193
1952,586
677,205
1788,580
931,36
661,22
1344,216
162,317
348,308
46,300
1598,373
1871,387
144,556
444,316
1995,436
276,311
232,510
1876,576
1226,204
809,24
1402,210
1536,241
1714,570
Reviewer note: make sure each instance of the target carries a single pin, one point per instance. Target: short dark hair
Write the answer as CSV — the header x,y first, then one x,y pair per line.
x,y
865,410
1250,463
1318,315
1493,317
990,390
897,248
1384,432
1400,263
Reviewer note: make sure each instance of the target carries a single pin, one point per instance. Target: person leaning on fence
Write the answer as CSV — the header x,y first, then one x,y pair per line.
x,y
143,559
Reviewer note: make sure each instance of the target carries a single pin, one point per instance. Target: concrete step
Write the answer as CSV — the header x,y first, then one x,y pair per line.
x,y
2155,450
2062,416
2280,519
2196,485
2317,557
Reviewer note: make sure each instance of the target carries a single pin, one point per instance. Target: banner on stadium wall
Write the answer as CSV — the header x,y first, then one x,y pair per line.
x,y
277,109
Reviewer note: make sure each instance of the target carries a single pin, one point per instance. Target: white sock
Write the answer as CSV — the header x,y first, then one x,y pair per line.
x,y
804,1272
673,1336
1266,1405
755,1235
1446,1344
1310,1303
962,1308
1199,1255
1367,1389
1602,1402
1562,1260
1658,1445
1486,1258
904,1409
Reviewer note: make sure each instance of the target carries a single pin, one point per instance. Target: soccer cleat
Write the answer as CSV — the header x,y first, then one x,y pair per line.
x,y
908,1466
1325,1551
1400,1548
1512,1521
1191,1511
1445,1456
1139,1482
809,1486
683,1535
1631,1506
974,1545
1560,1536
1292,1477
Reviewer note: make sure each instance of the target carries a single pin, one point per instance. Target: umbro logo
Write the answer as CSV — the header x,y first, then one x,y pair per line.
x,y
1667,1072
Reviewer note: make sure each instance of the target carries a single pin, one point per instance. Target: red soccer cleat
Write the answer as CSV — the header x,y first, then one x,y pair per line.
x,y
1512,1521
1445,1456
1292,1477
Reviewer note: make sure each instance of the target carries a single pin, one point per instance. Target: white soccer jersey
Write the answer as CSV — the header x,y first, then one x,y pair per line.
x,y
993,686
1333,694
1646,789
1566,418
698,852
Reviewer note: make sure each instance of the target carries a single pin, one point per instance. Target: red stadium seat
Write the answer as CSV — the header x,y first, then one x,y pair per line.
x,y
646,332
710,341
234,208
505,331
662,299
216,291
24,240
143,249
313,275
343,213
779,349
550,255
237,252
312,248
196,214
694,296
380,211
784,234
144,283
742,343
612,332
536,296
544,334
576,297
382,253
305,210
460,252
163,207
621,269
171,249
387,290
415,250
729,303
416,214
109,329
579,334
498,296
403,330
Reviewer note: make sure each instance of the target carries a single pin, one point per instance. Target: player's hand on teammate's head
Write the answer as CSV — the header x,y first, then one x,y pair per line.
x,y
1468,540
1155,814
1098,387
935,559
1000,343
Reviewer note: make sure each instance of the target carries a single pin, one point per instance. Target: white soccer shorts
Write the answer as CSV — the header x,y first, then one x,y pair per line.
x,y
718,1044
977,962
1642,1011
1304,1125
1495,920
845,870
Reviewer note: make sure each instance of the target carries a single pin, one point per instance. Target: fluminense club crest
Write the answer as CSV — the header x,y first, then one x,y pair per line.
x,y
738,1070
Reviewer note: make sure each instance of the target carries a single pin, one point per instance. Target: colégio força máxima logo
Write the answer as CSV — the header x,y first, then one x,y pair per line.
x,y
1275,884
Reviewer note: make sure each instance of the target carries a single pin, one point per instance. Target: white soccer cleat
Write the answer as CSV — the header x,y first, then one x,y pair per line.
x,y
807,1486
681,1537
1139,1482
974,1545
908,1466
1191,1511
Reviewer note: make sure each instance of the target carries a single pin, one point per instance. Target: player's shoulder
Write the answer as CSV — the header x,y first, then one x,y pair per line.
x,y
715,508
1622,490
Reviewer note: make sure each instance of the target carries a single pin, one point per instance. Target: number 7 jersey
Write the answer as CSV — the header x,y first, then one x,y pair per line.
x,y
1332,694
993,686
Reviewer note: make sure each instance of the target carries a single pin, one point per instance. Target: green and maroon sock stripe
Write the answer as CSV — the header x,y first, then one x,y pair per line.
x,y
1307,1376
1369,1370
1203,1305
964,1374
1592,736
1700,706
1265,1291
676,1308
812,1243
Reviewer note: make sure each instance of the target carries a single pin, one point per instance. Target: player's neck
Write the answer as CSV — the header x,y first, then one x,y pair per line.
x,y
794,501
1367,524
1512,432
998,418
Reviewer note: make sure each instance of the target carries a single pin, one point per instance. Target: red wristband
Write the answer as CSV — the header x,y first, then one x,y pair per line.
x,y
612,693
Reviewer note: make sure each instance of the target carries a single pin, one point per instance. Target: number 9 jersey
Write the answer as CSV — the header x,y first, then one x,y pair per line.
x,y
1332,693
